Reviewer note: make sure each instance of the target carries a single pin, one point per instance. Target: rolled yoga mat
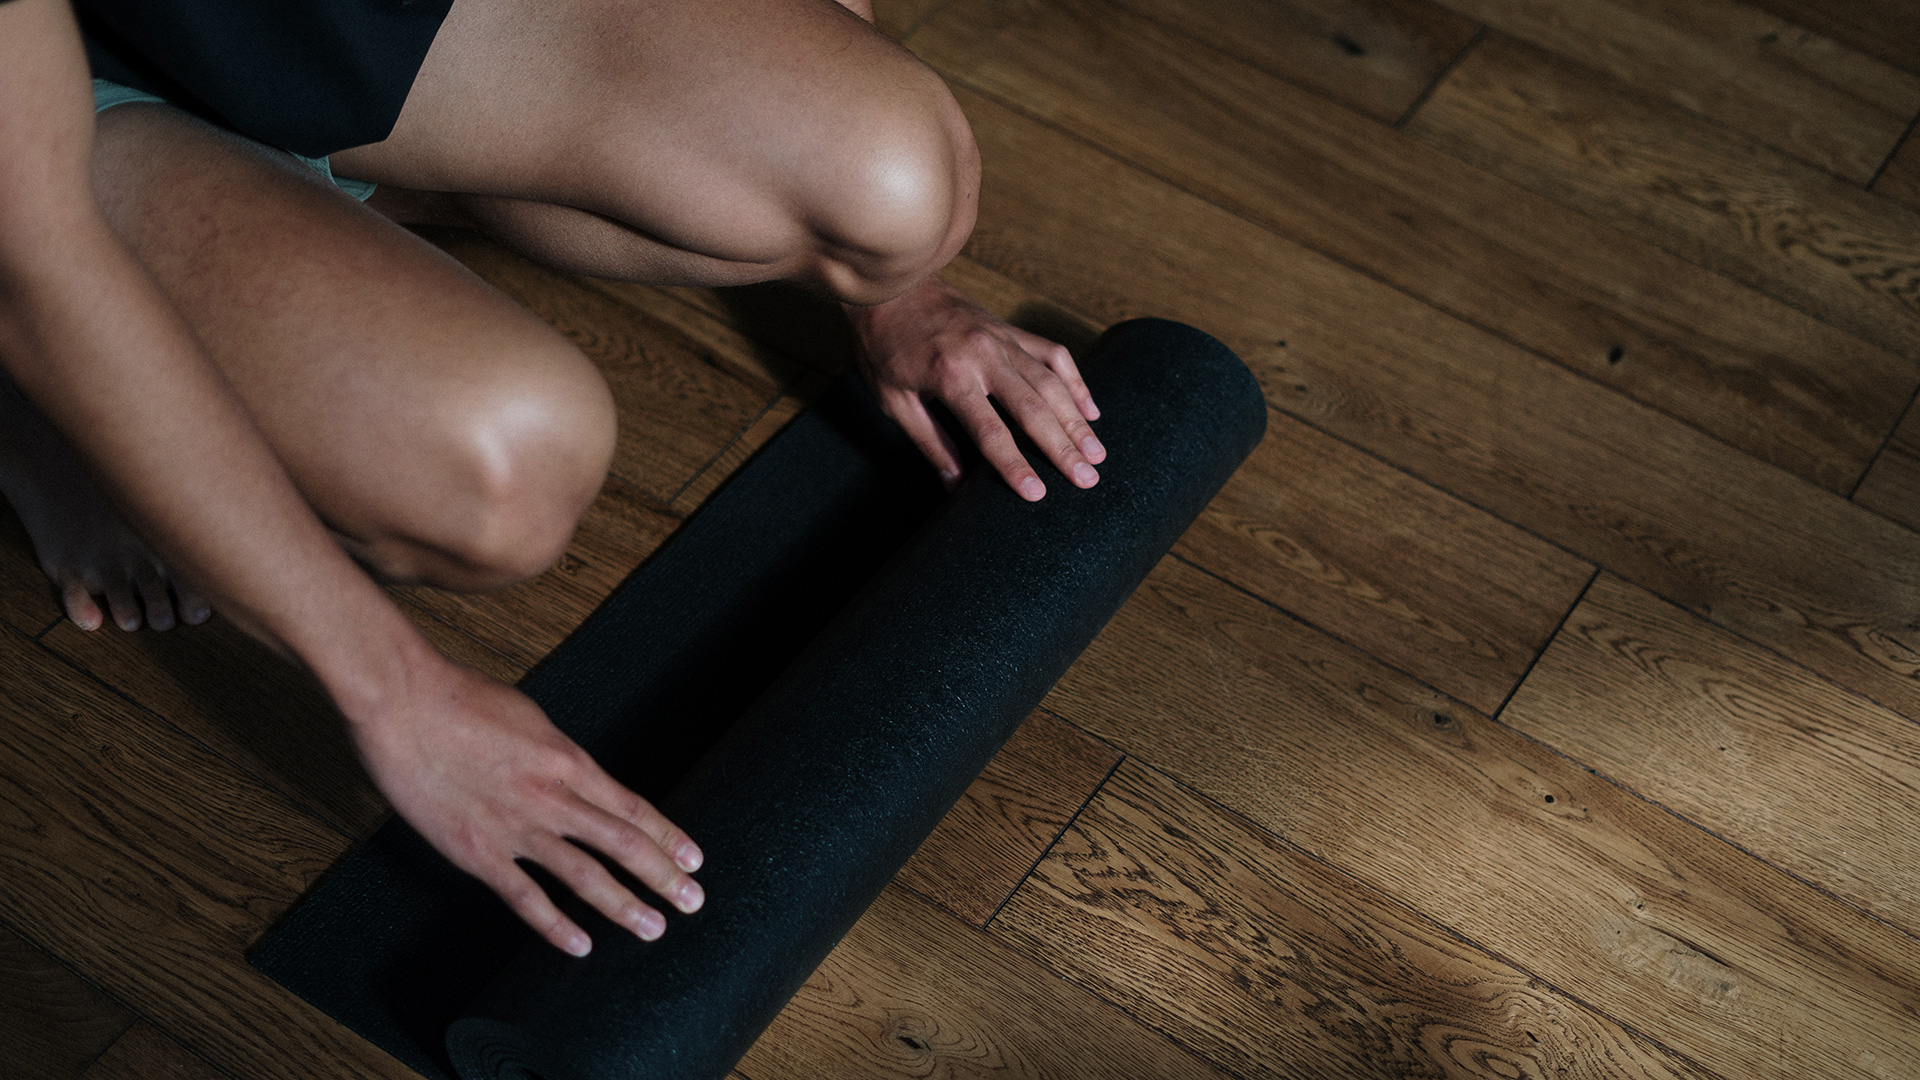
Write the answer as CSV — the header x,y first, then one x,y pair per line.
x,y
805,678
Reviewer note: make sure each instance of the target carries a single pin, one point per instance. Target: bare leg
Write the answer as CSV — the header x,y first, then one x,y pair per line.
x,y
443,432
82,542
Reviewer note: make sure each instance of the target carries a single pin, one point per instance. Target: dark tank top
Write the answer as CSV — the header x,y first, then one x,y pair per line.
x,y
310,76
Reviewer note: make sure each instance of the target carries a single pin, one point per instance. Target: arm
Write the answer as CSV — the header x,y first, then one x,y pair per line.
x,y
91,341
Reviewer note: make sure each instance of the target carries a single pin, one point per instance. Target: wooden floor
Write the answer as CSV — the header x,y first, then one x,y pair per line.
x,y
1538,701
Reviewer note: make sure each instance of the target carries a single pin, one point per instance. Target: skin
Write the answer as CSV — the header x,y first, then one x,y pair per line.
x,y
232,375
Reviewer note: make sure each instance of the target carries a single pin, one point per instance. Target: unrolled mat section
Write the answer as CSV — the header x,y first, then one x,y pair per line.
x,y
805,678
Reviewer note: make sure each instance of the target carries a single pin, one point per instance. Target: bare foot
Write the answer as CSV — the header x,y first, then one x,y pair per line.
x,y
82,542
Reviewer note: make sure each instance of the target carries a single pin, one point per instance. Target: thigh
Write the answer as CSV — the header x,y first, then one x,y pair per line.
x,y
381,372
731,129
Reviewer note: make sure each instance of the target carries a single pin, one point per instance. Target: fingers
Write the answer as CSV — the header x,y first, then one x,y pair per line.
x,y
997,445
1060,362
604,792
910,413
1052,419
529,901
641,855
591,882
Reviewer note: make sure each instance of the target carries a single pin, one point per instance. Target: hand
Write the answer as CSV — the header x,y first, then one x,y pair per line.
x,y
481,772
933,341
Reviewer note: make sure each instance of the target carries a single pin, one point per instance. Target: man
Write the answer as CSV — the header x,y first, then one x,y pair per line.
x,y
287,395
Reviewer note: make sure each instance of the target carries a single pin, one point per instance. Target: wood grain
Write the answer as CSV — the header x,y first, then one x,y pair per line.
x,y
253,707
525,621
1627,908
1439,589
897,18
1901,180
145,1053
1780,84
52,1022
1794,568
1373,56
679,404
1892,486
147,863
1711,196
1270,964
1002,825
1749,369
764,427
1775,760
913,991
1882,28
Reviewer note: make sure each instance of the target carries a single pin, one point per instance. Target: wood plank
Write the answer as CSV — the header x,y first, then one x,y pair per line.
x,y
1882,28
897,18
1373,56
986,844
1780,84
1747,368
148,864
524,622
1794,568
912,991
1709,195
1892,487
145,1053
679,404
1772,758
1901,180
701,316
764,427
52,1022
253,707
1441,590
1270,964
1605,896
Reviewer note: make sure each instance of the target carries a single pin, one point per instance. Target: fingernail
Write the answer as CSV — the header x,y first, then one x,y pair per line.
x,y
1084,475
650,926
1031,489
687,857
949,478
1091,447
1092,410
579,944
691,897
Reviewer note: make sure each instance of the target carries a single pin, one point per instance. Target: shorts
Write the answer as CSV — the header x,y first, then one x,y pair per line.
x,y
108,94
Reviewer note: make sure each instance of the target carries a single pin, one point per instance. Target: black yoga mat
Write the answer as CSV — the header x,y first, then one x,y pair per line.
x,y
805,677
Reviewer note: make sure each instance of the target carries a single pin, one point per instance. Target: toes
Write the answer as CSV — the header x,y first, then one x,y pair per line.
x,y
126,612
194,608
78,601
159,605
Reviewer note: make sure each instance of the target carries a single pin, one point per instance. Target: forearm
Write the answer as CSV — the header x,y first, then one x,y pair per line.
x,y
89,339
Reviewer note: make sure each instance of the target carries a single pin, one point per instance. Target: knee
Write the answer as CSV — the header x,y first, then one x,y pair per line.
x,y
526,452
897,198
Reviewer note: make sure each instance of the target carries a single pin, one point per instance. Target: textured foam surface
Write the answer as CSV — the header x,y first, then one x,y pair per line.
x,y
806,678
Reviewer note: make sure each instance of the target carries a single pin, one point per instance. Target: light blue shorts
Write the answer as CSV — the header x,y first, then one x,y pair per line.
x,y
108,94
